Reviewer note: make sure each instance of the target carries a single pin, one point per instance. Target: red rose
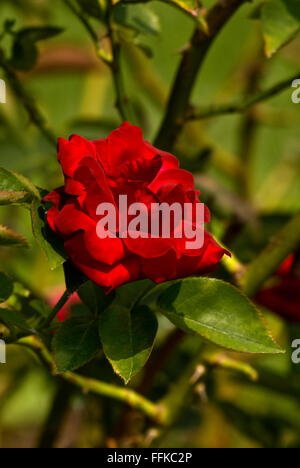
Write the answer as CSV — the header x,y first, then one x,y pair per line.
x,y
284,297
99,172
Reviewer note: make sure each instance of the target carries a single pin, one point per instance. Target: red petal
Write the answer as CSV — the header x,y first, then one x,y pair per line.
x,y
105,276
71,152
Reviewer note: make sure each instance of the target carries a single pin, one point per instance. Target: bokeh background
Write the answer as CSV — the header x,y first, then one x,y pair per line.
x,y
248,169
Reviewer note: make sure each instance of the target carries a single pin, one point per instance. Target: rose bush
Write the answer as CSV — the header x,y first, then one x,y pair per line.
x,y
99,172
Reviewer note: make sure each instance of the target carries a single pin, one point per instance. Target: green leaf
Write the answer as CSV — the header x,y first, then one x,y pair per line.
x,y
49,242
33,311
15,188
14,318
191,7
139,18
10,238
130,293
127,338
217,312
25,51
6,287
280,23
94,8
75,343
94,297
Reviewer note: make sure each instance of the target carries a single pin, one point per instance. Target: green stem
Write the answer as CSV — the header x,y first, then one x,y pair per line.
x,y
122,101
220,359
63,300
191,62
125,395
240,107
28,102
280,247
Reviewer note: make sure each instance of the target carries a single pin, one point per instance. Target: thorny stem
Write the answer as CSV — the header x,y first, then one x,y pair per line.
x,y
192,59
249,124
240,107
125,395
122,102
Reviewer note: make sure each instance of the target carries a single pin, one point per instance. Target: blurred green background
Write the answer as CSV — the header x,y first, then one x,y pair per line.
x,y
235,162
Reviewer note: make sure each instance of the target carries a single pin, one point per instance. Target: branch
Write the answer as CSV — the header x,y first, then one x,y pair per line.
x,y
28,102
280,247
125,395
101,53
122,103
112,61
240,107
191,62
62,301
220,359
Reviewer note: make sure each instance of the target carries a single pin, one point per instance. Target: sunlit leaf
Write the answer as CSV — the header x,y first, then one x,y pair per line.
x,y
280,23
215,311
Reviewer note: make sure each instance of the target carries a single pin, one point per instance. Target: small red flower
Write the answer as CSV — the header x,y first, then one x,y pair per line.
x,y
284,297
99,172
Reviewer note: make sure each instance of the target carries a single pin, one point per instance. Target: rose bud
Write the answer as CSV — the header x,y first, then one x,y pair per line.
x,y
98,174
